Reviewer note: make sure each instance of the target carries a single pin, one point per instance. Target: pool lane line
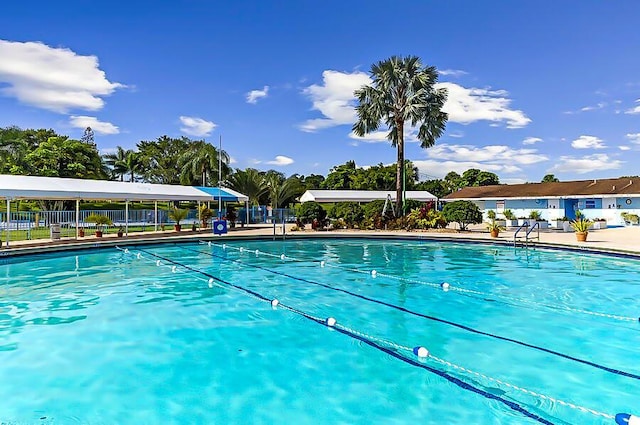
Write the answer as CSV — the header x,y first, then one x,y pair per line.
x,y
456,381
463,291
433,318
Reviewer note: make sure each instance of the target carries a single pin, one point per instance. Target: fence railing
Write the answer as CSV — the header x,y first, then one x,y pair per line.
x,y
32,225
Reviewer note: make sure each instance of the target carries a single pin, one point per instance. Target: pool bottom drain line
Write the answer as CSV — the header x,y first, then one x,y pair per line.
x,y
420,352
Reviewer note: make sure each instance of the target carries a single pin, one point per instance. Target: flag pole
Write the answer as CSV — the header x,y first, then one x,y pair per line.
x,y
220,178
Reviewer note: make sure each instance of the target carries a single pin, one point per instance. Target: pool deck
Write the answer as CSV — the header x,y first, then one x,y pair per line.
x,y
622,240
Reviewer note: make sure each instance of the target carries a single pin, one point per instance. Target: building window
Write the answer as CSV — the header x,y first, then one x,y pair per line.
x,y
589,204
499,206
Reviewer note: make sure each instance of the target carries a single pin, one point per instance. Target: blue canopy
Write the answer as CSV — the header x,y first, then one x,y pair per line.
x,y
227,195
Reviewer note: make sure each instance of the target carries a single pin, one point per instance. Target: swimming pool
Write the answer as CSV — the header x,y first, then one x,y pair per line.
x,y
187,333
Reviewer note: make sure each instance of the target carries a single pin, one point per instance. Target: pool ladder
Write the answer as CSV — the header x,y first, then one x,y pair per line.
x,y
526,238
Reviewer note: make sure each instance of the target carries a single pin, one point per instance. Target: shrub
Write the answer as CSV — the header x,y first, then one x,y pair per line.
x,y
535,215
424,218
463,213
491,215
509,215
310,211
350,212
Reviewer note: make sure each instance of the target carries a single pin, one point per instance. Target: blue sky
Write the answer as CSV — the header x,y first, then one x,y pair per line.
x,y
534,87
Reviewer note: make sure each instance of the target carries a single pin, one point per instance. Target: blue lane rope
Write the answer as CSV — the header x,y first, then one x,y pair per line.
x,y
463,291
433,318
456,381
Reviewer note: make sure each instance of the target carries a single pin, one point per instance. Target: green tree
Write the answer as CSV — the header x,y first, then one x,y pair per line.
x,y
463,213
63,157
403,91
475,177
115,162
452,181
550,178
282,192
200,163
248,182
340,176
160,159
436,187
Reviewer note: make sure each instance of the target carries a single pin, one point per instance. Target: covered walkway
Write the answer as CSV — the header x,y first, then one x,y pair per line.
x,y
56,189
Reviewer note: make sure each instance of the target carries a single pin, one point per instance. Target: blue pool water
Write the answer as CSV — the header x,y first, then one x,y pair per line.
x,y
109,336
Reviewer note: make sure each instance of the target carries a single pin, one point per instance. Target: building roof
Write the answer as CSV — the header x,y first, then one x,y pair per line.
x,y
55,188
226,194
361,195
572,189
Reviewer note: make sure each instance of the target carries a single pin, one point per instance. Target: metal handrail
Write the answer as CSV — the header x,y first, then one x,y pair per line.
x,y
536,224
515,235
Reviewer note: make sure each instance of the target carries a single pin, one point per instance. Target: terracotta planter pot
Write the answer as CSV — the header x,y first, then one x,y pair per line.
x,y
98,233
581,236
495,233
177,227
81,233
120,234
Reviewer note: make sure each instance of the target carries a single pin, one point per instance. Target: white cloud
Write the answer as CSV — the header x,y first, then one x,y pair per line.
x,y
624,148
373,137
586,164
100,127
531,140
198,127
599,105
334,99
494,154
587,142
467,105
55,79
452,72
634,110
232,160
456,134
281,161
634,137
254,95
439,169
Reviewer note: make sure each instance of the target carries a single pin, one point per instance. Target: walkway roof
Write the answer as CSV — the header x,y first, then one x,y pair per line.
x,y
361,195
55,188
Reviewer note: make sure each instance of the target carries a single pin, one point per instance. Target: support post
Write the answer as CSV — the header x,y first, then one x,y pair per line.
x,y
77,218
8,232
126,218
155,215
247,210
199,214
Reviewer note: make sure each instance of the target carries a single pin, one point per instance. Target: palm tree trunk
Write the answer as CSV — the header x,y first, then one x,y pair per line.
x,y
400,168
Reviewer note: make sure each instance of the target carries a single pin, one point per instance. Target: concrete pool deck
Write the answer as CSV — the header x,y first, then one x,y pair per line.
x,y
622,240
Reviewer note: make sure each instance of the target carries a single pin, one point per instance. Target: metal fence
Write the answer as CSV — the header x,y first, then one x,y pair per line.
x,y
30,225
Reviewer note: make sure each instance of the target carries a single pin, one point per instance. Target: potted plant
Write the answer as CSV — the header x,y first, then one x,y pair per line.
x,y
495,228
630,219
177,215
232,217
101,221
558,223
81,232
206,214
511,220
581,226
120,231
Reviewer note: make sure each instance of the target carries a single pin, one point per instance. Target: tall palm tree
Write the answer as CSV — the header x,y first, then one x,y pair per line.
x,y
115,161
200,161
249,182
132,164
283,192
403,91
